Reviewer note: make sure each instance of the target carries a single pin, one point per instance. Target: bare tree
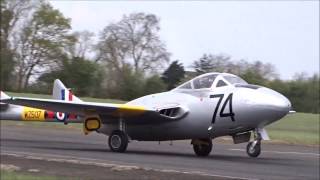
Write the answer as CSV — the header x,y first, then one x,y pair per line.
x,y
81,45
133,41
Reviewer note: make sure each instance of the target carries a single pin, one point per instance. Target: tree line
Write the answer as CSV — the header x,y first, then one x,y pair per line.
x,y
126,60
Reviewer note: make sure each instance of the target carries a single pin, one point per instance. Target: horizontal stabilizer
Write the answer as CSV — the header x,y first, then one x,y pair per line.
x,y
4,96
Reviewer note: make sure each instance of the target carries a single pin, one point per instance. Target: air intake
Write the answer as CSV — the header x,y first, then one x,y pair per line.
x,y
173,112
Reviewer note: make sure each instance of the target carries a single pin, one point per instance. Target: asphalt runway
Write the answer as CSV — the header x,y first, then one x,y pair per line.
x,y
226,160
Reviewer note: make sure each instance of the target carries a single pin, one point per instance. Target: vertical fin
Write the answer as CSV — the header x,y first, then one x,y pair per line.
x,y
60,92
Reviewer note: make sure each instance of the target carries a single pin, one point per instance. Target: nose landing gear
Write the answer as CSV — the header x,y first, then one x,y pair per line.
x,y
254,148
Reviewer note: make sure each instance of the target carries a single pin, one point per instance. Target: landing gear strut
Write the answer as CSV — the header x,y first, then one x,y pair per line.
x,y
254,148
202,147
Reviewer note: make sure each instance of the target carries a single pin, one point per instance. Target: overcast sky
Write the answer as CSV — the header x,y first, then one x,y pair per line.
x,y
284,33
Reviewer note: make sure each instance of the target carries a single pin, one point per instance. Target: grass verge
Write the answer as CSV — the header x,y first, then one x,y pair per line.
x,y
299,128
14,175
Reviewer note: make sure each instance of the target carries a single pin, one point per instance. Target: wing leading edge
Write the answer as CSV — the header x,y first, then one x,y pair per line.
x,y
80,108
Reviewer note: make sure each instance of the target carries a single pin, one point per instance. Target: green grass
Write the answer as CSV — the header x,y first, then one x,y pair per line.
x,y
299,128
14,175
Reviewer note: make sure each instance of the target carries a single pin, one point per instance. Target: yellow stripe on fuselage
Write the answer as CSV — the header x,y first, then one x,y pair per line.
x,y
32,114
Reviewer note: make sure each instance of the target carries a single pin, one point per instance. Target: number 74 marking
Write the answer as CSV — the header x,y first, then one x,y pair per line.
x,y
227,101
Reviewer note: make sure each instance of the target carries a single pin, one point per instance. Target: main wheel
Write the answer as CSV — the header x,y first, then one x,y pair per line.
x,y
255,150
118,141
203,148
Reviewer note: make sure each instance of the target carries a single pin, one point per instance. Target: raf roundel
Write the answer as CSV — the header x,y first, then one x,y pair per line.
x,y
61,116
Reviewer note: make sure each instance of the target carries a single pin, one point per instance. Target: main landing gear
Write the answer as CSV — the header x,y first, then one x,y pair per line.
x,y
202,147
118,139
254,148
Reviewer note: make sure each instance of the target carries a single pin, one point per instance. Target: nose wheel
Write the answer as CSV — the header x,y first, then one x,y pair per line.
x,y
118,141
254,148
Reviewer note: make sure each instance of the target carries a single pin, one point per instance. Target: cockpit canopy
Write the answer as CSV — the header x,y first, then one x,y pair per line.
x,y
211,80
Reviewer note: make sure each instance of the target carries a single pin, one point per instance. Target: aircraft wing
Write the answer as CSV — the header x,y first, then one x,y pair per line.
x,y
80,108
108,112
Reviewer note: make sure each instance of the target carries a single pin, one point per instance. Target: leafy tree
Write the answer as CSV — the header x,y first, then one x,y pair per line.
x,y
265,70
304,93
6,69
313,93
12,13
83,76
203,65
154,84
40,43
211,63
173,74
252,77
131,86
279,85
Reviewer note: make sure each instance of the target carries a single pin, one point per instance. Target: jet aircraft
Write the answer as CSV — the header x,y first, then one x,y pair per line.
x,y
206,107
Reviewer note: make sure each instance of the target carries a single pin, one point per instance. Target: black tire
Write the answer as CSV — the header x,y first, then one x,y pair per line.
x,y
118,141
255,151
203,149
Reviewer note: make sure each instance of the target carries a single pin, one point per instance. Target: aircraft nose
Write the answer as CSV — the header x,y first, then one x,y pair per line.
x,y
269,104
275,101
